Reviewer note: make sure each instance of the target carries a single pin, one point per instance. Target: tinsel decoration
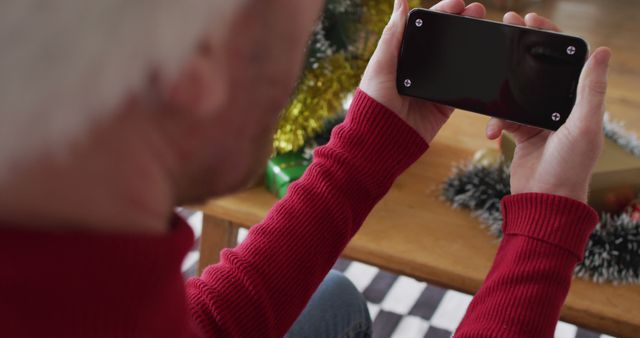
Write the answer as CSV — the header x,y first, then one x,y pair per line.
x,y
613,251
615,131
341,46
319,96
479,188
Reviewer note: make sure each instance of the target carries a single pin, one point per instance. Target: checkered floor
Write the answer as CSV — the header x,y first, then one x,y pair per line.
x,y
400,306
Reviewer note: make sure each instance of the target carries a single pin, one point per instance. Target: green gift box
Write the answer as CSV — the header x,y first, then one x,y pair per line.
x,y
284,169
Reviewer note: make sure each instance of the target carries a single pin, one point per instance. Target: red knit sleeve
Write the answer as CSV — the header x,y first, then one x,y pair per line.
x,y
544,238
259,288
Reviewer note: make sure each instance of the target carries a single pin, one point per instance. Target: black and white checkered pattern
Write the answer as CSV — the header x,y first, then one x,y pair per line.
x,y
400,306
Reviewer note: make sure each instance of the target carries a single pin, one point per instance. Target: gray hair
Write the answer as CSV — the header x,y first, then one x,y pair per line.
x,y
66,64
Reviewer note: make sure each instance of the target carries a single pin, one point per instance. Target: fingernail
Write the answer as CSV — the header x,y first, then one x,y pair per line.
x,y
396,5
602,59
604,56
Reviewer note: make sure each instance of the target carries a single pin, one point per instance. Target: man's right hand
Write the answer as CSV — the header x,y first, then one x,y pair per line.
x,y
560,162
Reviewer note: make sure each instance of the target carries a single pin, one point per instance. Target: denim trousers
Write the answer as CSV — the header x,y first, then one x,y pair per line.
x,y
336,310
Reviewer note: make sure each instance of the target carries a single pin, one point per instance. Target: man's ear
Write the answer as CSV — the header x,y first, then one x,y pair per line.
x,y
201,86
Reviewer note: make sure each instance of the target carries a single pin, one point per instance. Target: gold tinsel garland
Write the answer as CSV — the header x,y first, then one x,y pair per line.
x,y
324,87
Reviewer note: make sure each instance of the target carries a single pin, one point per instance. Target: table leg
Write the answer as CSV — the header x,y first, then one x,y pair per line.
x,y
217,234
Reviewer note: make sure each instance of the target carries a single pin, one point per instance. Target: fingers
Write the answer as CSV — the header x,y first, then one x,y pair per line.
x,y
392,35
588,111
520,132
530,20
537,21
449,6
494,128
475,10
513,18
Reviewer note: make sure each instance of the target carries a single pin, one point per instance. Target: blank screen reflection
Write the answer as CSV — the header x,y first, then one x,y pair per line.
x,y
518,74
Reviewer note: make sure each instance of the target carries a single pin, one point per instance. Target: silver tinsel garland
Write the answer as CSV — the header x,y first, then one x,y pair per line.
x,y
615,131
479,188
324,44
613,250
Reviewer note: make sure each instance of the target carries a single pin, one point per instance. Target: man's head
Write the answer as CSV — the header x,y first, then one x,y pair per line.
x,y
208,77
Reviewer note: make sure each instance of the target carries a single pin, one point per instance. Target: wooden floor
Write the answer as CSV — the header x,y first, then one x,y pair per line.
x,y
611,23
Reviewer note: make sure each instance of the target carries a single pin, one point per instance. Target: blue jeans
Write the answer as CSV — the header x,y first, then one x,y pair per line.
x,y
336,310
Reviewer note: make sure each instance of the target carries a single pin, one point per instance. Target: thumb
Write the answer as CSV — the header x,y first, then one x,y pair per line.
x,y
391,38
385,57
592,87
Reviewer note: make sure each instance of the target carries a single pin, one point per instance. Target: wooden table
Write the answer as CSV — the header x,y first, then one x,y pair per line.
x,y
413,232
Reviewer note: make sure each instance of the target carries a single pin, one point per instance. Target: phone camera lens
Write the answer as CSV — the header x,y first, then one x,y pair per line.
x,y
419,23
571,50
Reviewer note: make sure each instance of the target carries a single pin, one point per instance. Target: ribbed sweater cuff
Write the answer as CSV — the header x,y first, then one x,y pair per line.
x,y
555,219
379,135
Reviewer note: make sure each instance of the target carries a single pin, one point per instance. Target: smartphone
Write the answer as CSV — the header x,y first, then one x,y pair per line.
x,y
520,74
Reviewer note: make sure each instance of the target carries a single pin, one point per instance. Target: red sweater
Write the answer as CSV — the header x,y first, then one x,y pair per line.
x,y
78,284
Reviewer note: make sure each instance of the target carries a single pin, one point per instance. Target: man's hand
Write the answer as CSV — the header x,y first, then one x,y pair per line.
x,y
379,80
560,162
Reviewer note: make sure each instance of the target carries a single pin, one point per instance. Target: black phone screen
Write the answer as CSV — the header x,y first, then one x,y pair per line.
x,y
515,73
